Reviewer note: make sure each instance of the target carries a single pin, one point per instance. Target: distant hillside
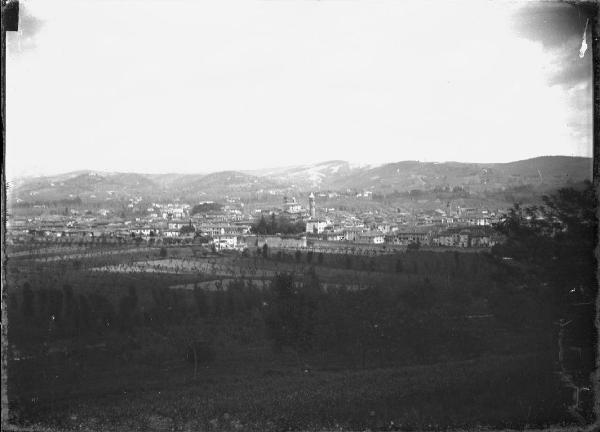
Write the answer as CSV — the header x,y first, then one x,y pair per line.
x,y
97,186
320,175
547,171
541,174
223,183
82,184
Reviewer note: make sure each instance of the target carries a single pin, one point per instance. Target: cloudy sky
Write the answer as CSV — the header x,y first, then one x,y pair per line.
x,y
197,86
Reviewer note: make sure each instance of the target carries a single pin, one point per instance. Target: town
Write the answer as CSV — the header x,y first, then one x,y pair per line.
x,y
234,225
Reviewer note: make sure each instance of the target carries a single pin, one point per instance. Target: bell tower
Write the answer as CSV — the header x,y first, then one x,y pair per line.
x,y
312,209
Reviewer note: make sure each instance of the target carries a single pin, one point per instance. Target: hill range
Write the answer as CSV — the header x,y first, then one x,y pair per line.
x,y
541,174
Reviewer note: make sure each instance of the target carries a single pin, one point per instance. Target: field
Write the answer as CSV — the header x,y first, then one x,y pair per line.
x,y
117,339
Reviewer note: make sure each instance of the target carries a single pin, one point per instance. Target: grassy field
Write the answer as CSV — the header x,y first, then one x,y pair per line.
x,y
256,394
137,377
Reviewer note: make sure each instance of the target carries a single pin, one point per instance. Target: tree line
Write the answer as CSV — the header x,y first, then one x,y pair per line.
x,y
277,225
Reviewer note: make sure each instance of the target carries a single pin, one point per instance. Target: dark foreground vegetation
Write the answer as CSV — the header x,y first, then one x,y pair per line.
x,y
435,340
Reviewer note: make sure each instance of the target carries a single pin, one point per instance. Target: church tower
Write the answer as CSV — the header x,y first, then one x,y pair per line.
x,y
312,209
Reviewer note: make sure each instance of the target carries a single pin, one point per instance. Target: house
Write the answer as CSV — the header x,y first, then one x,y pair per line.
x,y
480,240
177,224
371,237
290,205
316,226
276,241
406,238
144,231
225,241
447,239
384,227
464,239
352,233
213,230
335,236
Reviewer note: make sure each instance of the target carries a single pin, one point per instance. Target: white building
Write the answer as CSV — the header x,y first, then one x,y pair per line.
x,y
225,241
290,205
316,226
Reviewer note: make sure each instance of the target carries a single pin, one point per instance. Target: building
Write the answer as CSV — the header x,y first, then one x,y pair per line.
x,y
225,241
449,238
352,233
464,239
406,238
316,226
277,242
144,231
335,236
177,224
290,205
371,237
312,209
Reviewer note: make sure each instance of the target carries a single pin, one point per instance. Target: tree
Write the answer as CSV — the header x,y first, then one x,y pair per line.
x,y
277,225
27,305
556,240
187,229
555,244
101,312
191,341
309,256
54,307
198,352
290,318
349,262
413,246
205,208
320,258
127,307
399,266
70,314
201,301
83,323
260,227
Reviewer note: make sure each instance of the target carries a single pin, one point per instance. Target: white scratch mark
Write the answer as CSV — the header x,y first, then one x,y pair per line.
x,y
584,46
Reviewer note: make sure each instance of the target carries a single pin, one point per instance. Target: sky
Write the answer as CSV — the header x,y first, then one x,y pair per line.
x,y
200,86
